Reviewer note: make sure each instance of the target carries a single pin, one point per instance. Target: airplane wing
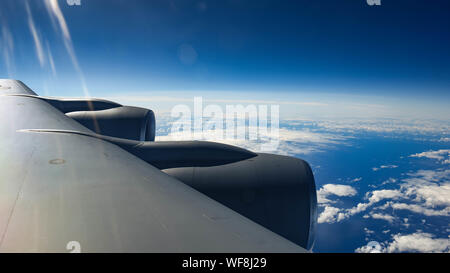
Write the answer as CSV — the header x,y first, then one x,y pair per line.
x,y
58,187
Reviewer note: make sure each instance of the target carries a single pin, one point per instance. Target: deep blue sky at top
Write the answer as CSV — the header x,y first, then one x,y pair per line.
x,y
401,47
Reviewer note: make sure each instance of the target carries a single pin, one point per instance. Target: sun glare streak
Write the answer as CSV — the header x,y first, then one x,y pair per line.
x,y
58,17
59,23
50,60
7,48
36,37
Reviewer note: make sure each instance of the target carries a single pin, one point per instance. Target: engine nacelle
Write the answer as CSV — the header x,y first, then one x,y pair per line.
x,y
123,122
277,192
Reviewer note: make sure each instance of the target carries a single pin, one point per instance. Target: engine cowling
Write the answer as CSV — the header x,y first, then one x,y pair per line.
x,y
277,192
126,122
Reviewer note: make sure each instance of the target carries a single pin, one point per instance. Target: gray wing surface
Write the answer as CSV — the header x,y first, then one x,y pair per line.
x,y
58,188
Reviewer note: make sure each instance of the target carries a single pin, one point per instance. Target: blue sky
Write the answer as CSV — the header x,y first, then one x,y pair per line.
x,y
292,49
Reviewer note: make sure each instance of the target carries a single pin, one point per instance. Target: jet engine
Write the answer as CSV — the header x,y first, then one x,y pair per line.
x,y
126,122
277,192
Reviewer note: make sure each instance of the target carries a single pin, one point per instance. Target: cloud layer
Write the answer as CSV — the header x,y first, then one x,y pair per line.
x,y
441,155
415,242
424,192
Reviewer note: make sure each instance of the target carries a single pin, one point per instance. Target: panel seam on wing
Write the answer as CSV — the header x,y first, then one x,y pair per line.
x,y
15,201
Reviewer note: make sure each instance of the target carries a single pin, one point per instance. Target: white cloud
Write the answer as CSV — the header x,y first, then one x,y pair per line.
x,y
389,181
373,197
416,242
440,155
339,190
432,187
378,195
429,176
428,189
329,215
421,209
384,167
368,231
334,189
290,141
337,215
431,195
356,179
359,208
341,216
385,206
379,125
381,216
